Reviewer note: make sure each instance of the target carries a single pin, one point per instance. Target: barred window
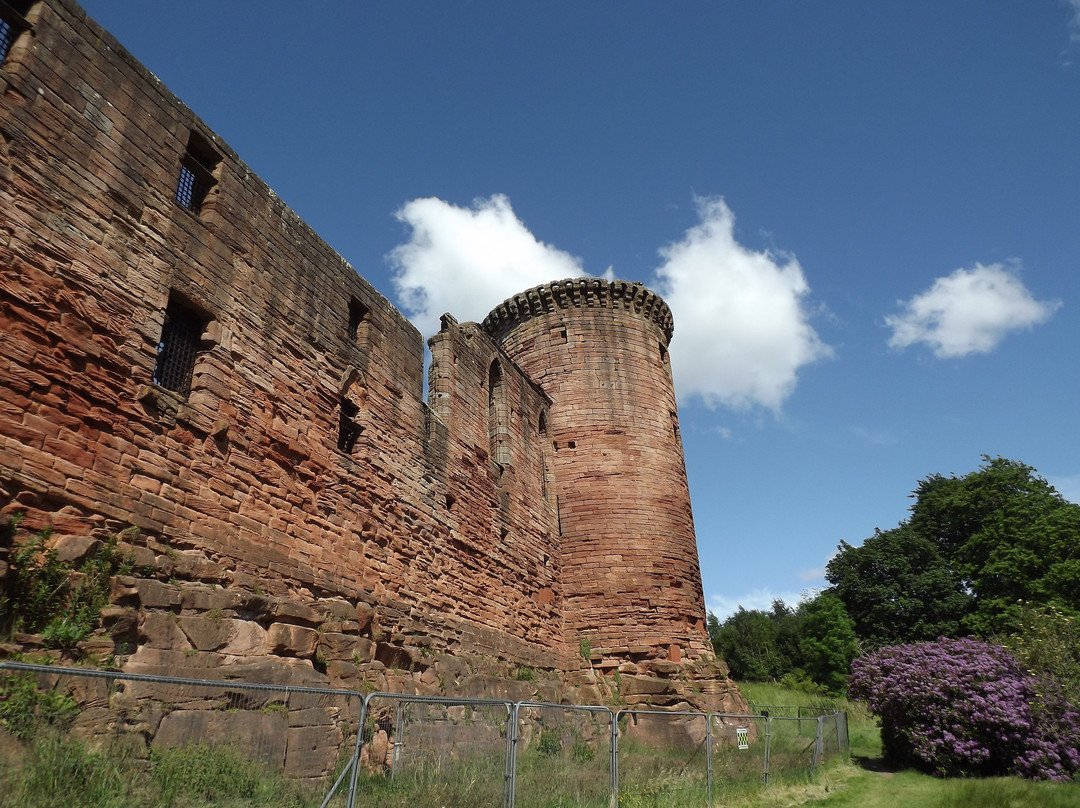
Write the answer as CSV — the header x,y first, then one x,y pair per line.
x,y
179,345
196,173
12,23
348,430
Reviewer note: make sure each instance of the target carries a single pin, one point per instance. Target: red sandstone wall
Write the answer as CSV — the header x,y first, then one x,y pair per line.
x,y
632,583
246,467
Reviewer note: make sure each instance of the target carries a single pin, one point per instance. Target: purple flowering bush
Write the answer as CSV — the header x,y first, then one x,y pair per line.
x,y
964,708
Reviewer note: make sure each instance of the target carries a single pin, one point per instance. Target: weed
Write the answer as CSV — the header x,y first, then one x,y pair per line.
x,y
581,752
525,675
549,744
50,597
24,709
585,647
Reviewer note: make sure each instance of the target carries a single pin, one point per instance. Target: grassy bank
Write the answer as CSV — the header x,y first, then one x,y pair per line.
x,y
866,783
47,770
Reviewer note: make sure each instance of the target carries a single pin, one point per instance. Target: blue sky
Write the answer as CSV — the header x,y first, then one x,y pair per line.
x,y
865,216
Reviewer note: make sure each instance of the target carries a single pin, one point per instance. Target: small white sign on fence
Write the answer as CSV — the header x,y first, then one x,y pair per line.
x,y
742,735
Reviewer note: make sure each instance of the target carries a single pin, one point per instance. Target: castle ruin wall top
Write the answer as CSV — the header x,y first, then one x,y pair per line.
x,y
579,292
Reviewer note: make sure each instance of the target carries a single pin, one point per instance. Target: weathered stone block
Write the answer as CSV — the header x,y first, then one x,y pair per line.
x,y
345,646
208,633
157,595
633,685
248,639
285,639
75,549
265,734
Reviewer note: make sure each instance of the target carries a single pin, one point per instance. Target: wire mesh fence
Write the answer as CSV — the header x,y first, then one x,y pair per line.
x,y
572,742
739,758
148,740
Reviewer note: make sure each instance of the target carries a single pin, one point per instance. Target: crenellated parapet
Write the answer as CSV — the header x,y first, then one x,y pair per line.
x,y
597,293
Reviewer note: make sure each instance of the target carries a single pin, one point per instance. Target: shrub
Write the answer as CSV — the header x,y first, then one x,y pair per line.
x,y
52,597
963,708
549,745
25,709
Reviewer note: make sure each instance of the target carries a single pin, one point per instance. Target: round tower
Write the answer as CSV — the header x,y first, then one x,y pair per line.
x,y
630,573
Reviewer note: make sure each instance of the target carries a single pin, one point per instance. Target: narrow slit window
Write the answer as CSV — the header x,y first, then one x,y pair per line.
x,y
498,416
181,336
359,315
348,430
12,23
196,173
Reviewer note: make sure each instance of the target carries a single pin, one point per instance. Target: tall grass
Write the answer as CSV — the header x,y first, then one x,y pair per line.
x,y
51,770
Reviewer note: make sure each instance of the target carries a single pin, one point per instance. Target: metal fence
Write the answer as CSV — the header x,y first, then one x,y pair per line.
x,y
340,749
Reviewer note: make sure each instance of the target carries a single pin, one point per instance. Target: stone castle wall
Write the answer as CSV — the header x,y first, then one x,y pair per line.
x,y
246,467
303,463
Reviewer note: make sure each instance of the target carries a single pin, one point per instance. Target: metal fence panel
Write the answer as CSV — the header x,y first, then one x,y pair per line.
x,y
740,753
563,753
661,750
458,748
151,735
792,745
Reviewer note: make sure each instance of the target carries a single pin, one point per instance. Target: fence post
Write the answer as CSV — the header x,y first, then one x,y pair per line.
x,y
819,746
615,759
708,755
510,764
768,745
355,774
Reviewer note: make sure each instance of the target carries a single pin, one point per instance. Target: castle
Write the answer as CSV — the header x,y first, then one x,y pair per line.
x,y
181,353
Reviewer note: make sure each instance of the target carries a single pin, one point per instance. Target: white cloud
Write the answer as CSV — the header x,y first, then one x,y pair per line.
x,y
1074,20
741,324
874,437
970,311
468,260
741,330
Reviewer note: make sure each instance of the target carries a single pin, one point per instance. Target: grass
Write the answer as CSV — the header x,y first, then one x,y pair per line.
x,y
51,770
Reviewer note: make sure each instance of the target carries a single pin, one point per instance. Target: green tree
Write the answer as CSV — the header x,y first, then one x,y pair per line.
x,y
747,642
827,641
897,588
1008,535
973,550
1047,643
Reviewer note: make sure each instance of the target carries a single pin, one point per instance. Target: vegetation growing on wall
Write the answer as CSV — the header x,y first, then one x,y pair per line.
x,y
47,596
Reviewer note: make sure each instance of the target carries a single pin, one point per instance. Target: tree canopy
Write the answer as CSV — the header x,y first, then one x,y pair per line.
x,y
994,553
974,549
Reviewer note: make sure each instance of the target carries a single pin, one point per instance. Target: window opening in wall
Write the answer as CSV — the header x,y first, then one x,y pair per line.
x,y
12,23
348,430
498,416
450,502
545,457
196,173
359,315
181,337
